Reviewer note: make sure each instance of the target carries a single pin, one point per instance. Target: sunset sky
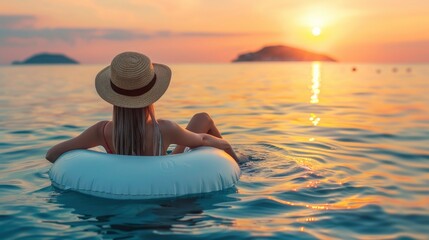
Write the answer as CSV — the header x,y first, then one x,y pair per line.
x,y
215,31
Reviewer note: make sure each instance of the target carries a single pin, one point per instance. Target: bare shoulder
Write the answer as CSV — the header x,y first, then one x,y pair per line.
x,y
167,125
169,130
97,128
101,123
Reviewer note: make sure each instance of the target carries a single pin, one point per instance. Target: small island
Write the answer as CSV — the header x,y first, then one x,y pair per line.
x,y
47,58
282,53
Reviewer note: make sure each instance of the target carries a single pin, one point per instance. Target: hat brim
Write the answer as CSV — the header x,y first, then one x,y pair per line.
x,y
104,89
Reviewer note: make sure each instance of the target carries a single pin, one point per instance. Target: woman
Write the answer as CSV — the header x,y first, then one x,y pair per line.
x,y
132,84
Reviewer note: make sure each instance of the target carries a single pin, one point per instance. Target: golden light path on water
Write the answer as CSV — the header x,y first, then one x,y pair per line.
x,y
348,203
313,168
315,90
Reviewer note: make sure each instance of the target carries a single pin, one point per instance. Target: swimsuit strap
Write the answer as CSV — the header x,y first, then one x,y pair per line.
x,y
160,141
105,139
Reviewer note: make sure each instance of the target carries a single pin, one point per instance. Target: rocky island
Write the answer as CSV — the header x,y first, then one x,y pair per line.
x,y
47,58
282,53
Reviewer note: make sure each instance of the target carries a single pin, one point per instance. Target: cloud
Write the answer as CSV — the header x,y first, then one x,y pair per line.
x,y
108,34
16,29
16,21
70,35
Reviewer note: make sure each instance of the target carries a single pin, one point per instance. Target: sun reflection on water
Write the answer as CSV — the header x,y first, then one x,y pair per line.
x,y
315,87
315,91
314,119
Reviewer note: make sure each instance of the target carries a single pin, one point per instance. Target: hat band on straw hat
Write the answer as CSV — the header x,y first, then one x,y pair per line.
x,y
134,92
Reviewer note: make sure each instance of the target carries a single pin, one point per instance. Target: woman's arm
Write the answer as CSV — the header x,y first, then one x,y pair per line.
x,y
209,140
184,137
87,139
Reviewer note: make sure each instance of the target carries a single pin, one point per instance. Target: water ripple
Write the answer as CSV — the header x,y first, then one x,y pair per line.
x,y
352,164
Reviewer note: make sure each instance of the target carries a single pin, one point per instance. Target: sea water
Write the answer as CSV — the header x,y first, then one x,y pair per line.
x,y
334,151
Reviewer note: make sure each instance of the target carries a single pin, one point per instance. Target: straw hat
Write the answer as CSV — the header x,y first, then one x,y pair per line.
x,y
132,81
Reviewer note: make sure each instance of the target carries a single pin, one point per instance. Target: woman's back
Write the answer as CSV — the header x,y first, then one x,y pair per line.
x,y
148,139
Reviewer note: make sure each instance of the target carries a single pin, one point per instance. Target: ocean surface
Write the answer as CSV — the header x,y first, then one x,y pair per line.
x,y
335,151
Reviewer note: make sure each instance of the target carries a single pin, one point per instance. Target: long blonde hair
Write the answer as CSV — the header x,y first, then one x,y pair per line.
x,y
130,129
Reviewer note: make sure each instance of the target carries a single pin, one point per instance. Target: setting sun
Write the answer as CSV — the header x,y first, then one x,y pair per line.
x,y
316,31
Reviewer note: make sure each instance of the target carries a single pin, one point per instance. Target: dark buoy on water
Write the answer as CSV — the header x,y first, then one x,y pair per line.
x,y
408,70
354,69
394,70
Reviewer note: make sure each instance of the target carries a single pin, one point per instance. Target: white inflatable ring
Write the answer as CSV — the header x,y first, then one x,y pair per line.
x,y
201,170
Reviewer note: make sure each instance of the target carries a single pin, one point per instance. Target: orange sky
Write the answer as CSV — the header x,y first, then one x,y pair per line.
x,y
214,31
